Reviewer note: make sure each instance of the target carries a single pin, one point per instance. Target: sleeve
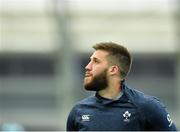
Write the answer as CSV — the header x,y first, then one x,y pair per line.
x,y
157,117
70,125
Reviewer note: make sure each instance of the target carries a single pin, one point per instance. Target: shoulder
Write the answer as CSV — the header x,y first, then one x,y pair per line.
x,y
80,105
145,103
88,100
83,103
153,112
141,99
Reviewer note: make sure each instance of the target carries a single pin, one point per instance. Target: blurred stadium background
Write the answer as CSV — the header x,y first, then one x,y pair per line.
x,y
45,44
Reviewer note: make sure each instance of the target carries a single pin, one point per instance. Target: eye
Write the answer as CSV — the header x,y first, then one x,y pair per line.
x,y
96,61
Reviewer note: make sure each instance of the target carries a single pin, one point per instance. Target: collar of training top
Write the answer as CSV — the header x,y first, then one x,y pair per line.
x,y
106,100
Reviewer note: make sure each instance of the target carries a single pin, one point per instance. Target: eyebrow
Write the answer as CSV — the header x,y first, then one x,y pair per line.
x,y
94,58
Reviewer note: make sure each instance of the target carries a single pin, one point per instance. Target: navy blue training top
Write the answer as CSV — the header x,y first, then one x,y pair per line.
x,y
133,111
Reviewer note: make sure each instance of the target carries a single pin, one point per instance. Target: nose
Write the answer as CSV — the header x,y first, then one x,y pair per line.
x,y
88,66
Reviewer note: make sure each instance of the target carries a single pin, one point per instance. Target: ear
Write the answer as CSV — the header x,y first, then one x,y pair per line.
x,y
113,70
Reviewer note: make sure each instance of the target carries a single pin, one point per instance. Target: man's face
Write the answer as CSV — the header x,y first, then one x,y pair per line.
x,y
96,72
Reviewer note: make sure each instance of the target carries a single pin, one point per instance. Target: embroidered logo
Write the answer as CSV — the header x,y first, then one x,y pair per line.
x,y
126,116
85,117
169,120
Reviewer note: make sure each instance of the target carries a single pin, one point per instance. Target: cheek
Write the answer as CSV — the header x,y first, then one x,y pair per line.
x,y
97,70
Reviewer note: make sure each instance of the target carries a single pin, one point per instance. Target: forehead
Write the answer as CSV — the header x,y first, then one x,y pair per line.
x,y
99,54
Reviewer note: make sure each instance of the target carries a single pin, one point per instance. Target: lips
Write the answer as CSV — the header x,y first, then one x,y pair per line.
x,y
88,75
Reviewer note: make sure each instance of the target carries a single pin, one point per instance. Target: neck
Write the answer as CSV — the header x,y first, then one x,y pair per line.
x,y
111,92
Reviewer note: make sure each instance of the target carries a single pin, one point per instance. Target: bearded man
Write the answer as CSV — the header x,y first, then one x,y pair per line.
x,y
115,106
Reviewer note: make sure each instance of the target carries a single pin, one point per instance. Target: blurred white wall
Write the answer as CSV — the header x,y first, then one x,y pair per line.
x,y
142,25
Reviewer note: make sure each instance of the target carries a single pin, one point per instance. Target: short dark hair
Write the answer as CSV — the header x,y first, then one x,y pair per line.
x,y
118,55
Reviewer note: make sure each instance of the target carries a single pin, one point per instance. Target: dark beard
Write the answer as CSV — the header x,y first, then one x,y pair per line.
x,y
98,83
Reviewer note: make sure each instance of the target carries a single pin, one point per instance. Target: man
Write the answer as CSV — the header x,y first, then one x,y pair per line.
x,y
115,106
